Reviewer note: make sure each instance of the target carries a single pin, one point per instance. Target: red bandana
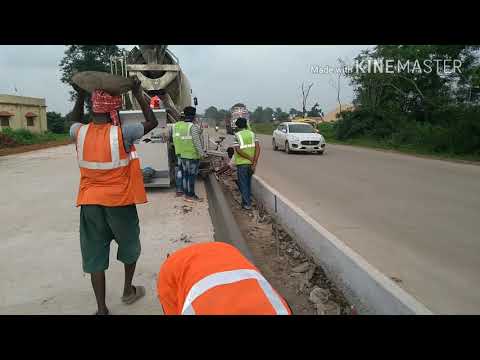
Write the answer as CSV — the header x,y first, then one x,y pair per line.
x,y
103,102
155,102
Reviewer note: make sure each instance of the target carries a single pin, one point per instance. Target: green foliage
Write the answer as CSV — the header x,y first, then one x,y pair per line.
x,y
56,122
263,128
428,111
211,112
218,116
10,137
86,58
327,130
315,111
257,115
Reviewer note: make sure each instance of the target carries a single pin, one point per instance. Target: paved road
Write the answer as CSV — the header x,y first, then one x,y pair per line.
x,y
414,219
40,260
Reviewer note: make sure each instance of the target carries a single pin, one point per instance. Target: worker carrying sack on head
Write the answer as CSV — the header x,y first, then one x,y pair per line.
x,y
214,278
111,185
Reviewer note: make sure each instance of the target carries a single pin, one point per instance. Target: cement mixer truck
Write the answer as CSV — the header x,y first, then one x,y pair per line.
x,y
160,74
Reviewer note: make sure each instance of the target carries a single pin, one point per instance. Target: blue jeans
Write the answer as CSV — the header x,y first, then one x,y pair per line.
x,y
189,171
244,174
179,175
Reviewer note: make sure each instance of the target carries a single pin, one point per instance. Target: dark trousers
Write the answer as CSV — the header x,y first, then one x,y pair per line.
x,y
244,174
189,174
179,175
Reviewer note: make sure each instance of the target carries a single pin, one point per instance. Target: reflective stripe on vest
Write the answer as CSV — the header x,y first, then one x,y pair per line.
x,y
229,277
188,136
242,142
114,148
178,134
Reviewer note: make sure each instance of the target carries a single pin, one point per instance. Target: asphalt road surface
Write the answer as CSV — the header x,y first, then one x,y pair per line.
x,y
414,219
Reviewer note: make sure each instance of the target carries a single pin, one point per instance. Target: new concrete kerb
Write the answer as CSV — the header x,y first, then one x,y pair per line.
x,y
363,285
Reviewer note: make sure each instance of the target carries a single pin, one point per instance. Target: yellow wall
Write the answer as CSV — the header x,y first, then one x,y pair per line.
x,y
19,106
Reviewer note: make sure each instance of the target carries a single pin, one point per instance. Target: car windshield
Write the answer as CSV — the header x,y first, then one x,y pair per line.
x,y
300,129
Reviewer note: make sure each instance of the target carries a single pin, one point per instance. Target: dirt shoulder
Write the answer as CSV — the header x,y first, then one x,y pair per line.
x,y
26,148
290,271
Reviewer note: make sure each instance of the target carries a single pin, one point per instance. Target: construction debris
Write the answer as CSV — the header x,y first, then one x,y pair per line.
x,y
301,268
319,295
304,283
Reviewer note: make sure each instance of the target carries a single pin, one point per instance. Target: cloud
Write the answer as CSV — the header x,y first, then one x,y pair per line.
x,y
219,75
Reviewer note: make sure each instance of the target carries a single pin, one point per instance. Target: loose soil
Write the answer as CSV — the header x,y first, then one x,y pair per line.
x,y
276,254
26,148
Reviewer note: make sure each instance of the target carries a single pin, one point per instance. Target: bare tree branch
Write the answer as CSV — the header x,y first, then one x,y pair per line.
x,y
305,93
414,84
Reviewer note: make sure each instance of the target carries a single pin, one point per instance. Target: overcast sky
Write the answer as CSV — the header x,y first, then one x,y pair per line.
x,y
219,75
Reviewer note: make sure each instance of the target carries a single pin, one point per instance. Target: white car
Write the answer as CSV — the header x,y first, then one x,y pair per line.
x,y
294,136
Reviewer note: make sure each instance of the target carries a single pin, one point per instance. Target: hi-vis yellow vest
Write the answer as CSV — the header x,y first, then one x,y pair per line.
x,y
246,140
183,142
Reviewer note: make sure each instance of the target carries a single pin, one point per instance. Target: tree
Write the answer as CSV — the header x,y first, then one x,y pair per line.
x,y
257,115
315,111
280,115
56,122
267,115
211,113
86,58
305,93
222,115
336,84
294,112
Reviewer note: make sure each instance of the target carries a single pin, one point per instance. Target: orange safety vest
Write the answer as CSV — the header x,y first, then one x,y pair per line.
x,y
214,278
109,176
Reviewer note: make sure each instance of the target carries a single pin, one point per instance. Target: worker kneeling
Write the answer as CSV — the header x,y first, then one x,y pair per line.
x,y
215,279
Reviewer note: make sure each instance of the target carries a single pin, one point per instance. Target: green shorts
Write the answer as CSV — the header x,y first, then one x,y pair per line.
x,y
99,225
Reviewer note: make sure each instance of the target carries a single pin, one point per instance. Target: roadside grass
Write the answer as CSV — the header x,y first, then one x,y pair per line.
x,y
12,138
262,128
328,131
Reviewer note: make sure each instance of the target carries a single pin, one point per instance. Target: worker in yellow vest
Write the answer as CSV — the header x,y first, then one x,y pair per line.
x,y
189,146
214,278
177,144
247,152
111,184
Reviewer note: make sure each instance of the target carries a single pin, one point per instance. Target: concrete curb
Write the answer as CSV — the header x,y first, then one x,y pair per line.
x,y
363,285
226,228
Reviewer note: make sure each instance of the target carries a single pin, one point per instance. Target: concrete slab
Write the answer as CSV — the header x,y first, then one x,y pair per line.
x,y
40,260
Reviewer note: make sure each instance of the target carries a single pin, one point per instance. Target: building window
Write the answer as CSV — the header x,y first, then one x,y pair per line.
x,y
4,121
30,121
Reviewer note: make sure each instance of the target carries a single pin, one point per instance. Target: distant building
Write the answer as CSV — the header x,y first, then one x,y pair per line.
x,y
20,112
332,115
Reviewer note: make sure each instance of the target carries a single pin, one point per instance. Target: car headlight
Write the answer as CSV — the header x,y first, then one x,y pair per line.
x,y
294,138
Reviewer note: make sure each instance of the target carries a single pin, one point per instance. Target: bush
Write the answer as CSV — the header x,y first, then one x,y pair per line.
x,y
9,137
6,141
56,123
327,130
20,136
454,129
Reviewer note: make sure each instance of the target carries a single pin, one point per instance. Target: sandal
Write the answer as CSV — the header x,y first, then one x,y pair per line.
x,y
96,313
138,294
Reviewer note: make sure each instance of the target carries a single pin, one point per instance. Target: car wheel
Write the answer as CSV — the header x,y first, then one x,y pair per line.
x,y
320,152
274,144
287,148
